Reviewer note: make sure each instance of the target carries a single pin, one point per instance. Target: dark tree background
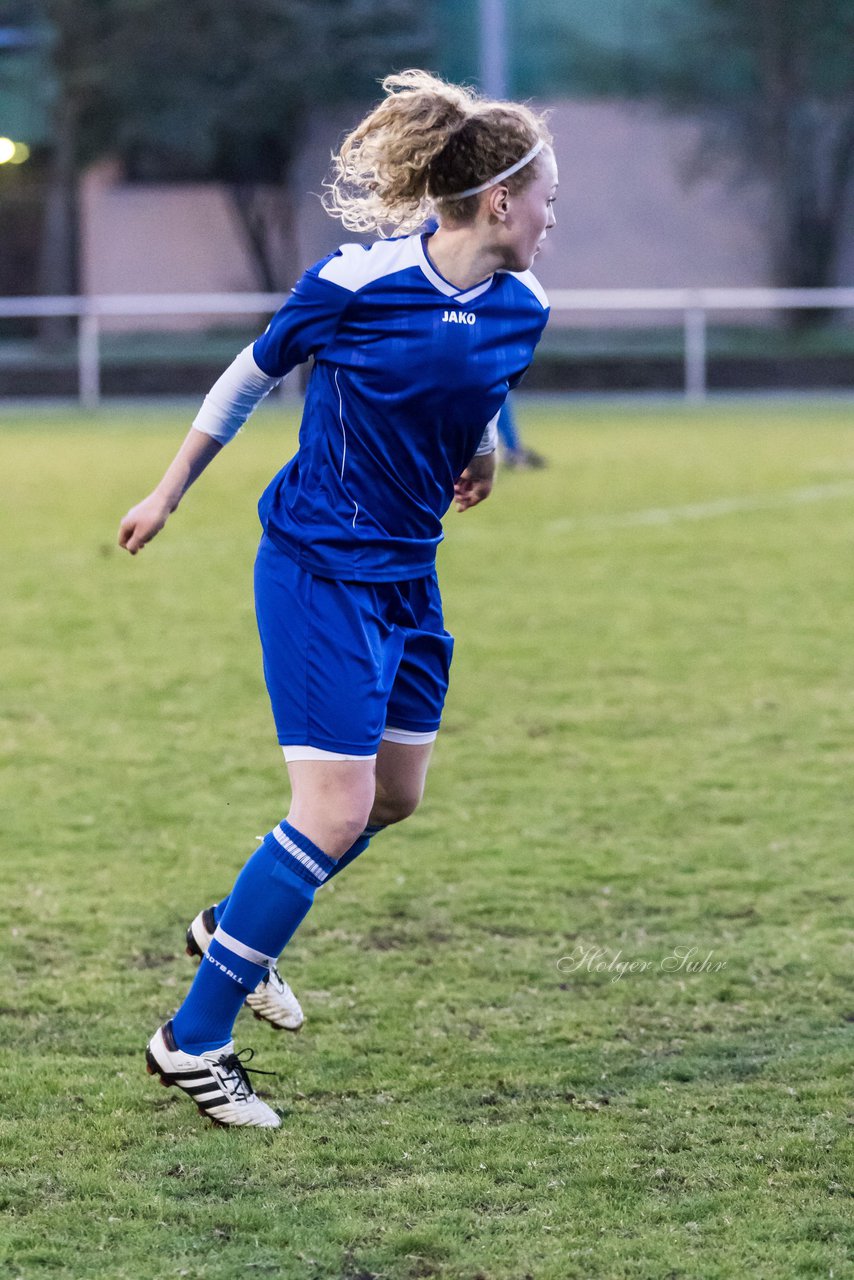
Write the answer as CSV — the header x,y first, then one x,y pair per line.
x,y
772,84
205,90
221,91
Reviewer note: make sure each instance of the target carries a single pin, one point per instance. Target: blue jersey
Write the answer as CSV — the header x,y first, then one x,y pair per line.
x,y
408,372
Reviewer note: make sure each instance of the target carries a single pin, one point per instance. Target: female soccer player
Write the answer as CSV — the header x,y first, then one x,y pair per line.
x,y
416,342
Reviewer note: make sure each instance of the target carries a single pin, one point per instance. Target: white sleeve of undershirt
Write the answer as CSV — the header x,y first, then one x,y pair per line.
x,y
232,398
489,439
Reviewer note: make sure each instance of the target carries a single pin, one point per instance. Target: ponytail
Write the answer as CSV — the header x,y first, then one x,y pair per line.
x,y
425,143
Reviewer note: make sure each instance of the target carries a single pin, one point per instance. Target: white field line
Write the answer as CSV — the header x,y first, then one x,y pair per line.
x,y
706,510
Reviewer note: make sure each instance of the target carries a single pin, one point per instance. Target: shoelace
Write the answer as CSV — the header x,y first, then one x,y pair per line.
x,y
275,979
236,1073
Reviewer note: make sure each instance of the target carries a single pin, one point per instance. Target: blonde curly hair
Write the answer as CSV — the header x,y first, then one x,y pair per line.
x,y
426,141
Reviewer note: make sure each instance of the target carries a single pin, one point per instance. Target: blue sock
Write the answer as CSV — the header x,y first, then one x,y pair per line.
x,y
358,846
270,898
507,432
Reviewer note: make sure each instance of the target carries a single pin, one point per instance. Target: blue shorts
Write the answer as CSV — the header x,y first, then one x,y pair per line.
x,y
348,663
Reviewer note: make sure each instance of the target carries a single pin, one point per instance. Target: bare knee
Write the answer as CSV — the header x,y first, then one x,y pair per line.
x,y
331,802
334,833
395,806
344,831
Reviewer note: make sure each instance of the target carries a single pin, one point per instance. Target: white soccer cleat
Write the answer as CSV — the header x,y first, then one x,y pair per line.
x,y
272,1000
216,1081
200,932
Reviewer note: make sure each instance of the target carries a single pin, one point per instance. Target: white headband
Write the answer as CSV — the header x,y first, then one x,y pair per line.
x,y
499,177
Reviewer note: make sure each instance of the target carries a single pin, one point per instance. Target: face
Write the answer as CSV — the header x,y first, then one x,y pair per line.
x,y
527,216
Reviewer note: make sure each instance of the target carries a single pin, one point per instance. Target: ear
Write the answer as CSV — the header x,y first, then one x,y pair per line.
x,y
497,202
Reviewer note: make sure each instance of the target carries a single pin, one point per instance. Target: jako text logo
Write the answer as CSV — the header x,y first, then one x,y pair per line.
x,y
458,317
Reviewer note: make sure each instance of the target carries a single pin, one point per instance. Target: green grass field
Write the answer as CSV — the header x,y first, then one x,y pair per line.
x,y
648,747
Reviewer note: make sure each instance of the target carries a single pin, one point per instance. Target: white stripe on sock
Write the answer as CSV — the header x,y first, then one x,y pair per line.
x,y
240,949
288,845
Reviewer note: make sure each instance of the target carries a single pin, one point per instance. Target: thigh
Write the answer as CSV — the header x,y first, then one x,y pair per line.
x,y
329,656
331,801
400,778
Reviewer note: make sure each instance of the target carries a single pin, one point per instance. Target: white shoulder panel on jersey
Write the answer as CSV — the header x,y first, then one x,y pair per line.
x,y
530,281
357,265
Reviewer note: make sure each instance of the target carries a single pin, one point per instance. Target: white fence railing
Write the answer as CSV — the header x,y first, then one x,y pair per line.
x,y
91,310
694,305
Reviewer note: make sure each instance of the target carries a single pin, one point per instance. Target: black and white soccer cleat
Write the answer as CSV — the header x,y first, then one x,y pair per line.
x,y
272,1000
217,1081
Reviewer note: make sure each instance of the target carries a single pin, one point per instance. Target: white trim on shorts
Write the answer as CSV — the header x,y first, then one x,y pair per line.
x,y
390,734
317,753
409,737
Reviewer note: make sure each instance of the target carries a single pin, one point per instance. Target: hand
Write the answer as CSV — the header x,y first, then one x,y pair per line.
x,y
143,522
475,483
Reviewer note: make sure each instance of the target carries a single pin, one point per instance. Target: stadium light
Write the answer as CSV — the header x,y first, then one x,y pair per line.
x,y
13,152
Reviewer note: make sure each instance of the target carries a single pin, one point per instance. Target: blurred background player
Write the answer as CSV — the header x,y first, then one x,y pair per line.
x,y
416,342
513,452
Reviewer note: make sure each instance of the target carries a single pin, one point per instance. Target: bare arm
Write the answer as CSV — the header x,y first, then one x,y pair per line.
x,y
226,407
148,517
475,483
